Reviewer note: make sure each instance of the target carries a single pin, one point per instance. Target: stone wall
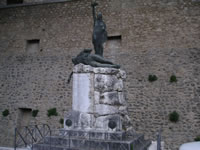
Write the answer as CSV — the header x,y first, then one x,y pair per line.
x,y
3,3
157,37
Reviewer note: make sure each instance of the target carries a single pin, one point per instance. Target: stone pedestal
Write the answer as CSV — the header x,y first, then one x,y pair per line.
x,y
98,119
98,100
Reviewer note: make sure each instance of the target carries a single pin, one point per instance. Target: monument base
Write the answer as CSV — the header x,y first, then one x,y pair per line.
x,y
98,100
99,117
93,140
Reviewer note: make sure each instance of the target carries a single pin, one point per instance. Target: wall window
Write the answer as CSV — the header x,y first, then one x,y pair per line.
x,y
24,116
32,46
113,47
11,2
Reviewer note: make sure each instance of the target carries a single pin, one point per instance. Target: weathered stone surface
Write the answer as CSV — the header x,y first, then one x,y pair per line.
x,y
121,74
91,99
83,99
106,83
119,86
74,117
102,109
110,98
107,71
123,109
86,121
80,120
81,68
101,122
122,98
96,97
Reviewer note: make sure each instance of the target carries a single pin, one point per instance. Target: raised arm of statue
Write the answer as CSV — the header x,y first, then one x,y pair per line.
x,y
94,4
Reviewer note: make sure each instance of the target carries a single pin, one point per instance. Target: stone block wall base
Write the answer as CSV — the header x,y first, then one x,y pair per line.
x,y
78,140
98,100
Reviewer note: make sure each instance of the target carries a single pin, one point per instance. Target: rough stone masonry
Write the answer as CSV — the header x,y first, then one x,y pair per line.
x,y
157,37
98,98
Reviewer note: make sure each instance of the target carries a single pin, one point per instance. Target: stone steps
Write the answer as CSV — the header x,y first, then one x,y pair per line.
x,y
74,143
65,140
102,135
11,148
53,147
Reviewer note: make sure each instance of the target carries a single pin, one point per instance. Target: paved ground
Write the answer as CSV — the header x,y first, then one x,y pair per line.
x,y
10,148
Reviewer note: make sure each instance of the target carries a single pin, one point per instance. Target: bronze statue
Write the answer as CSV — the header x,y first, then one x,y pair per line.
x,y
85,57
99,36
94,60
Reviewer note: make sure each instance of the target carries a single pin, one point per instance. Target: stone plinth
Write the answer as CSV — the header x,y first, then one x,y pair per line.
x,y
99,118
98,99
81,140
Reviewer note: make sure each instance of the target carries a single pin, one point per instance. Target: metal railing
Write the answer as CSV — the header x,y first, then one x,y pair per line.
x,y
159,140
27,136
30,136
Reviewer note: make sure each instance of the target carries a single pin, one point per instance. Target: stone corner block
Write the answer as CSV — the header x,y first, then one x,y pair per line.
x,y
102,109
81,68
106,83
121,74
108,71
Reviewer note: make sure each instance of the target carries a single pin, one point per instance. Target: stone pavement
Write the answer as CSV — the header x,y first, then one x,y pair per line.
x,y
11,148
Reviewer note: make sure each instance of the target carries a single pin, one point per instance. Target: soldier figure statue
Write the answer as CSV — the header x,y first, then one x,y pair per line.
x,y
85,57
99,36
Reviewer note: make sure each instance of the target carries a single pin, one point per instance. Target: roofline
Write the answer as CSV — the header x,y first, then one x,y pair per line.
x,y
33,4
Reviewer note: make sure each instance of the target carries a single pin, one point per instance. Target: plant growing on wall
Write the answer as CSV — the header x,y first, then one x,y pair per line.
x,y
52,112
5,113
61,121
35,112
131,146
152,78
197,138
174,117
173,78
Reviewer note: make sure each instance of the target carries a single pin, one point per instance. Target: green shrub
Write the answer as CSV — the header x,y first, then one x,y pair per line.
x,y
197,138
174,117
35,112
131,146
5,113
61,121
152,78
52,112
173,78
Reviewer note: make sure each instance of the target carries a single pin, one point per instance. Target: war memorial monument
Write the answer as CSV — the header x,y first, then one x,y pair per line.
x,y
156,42
99,118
